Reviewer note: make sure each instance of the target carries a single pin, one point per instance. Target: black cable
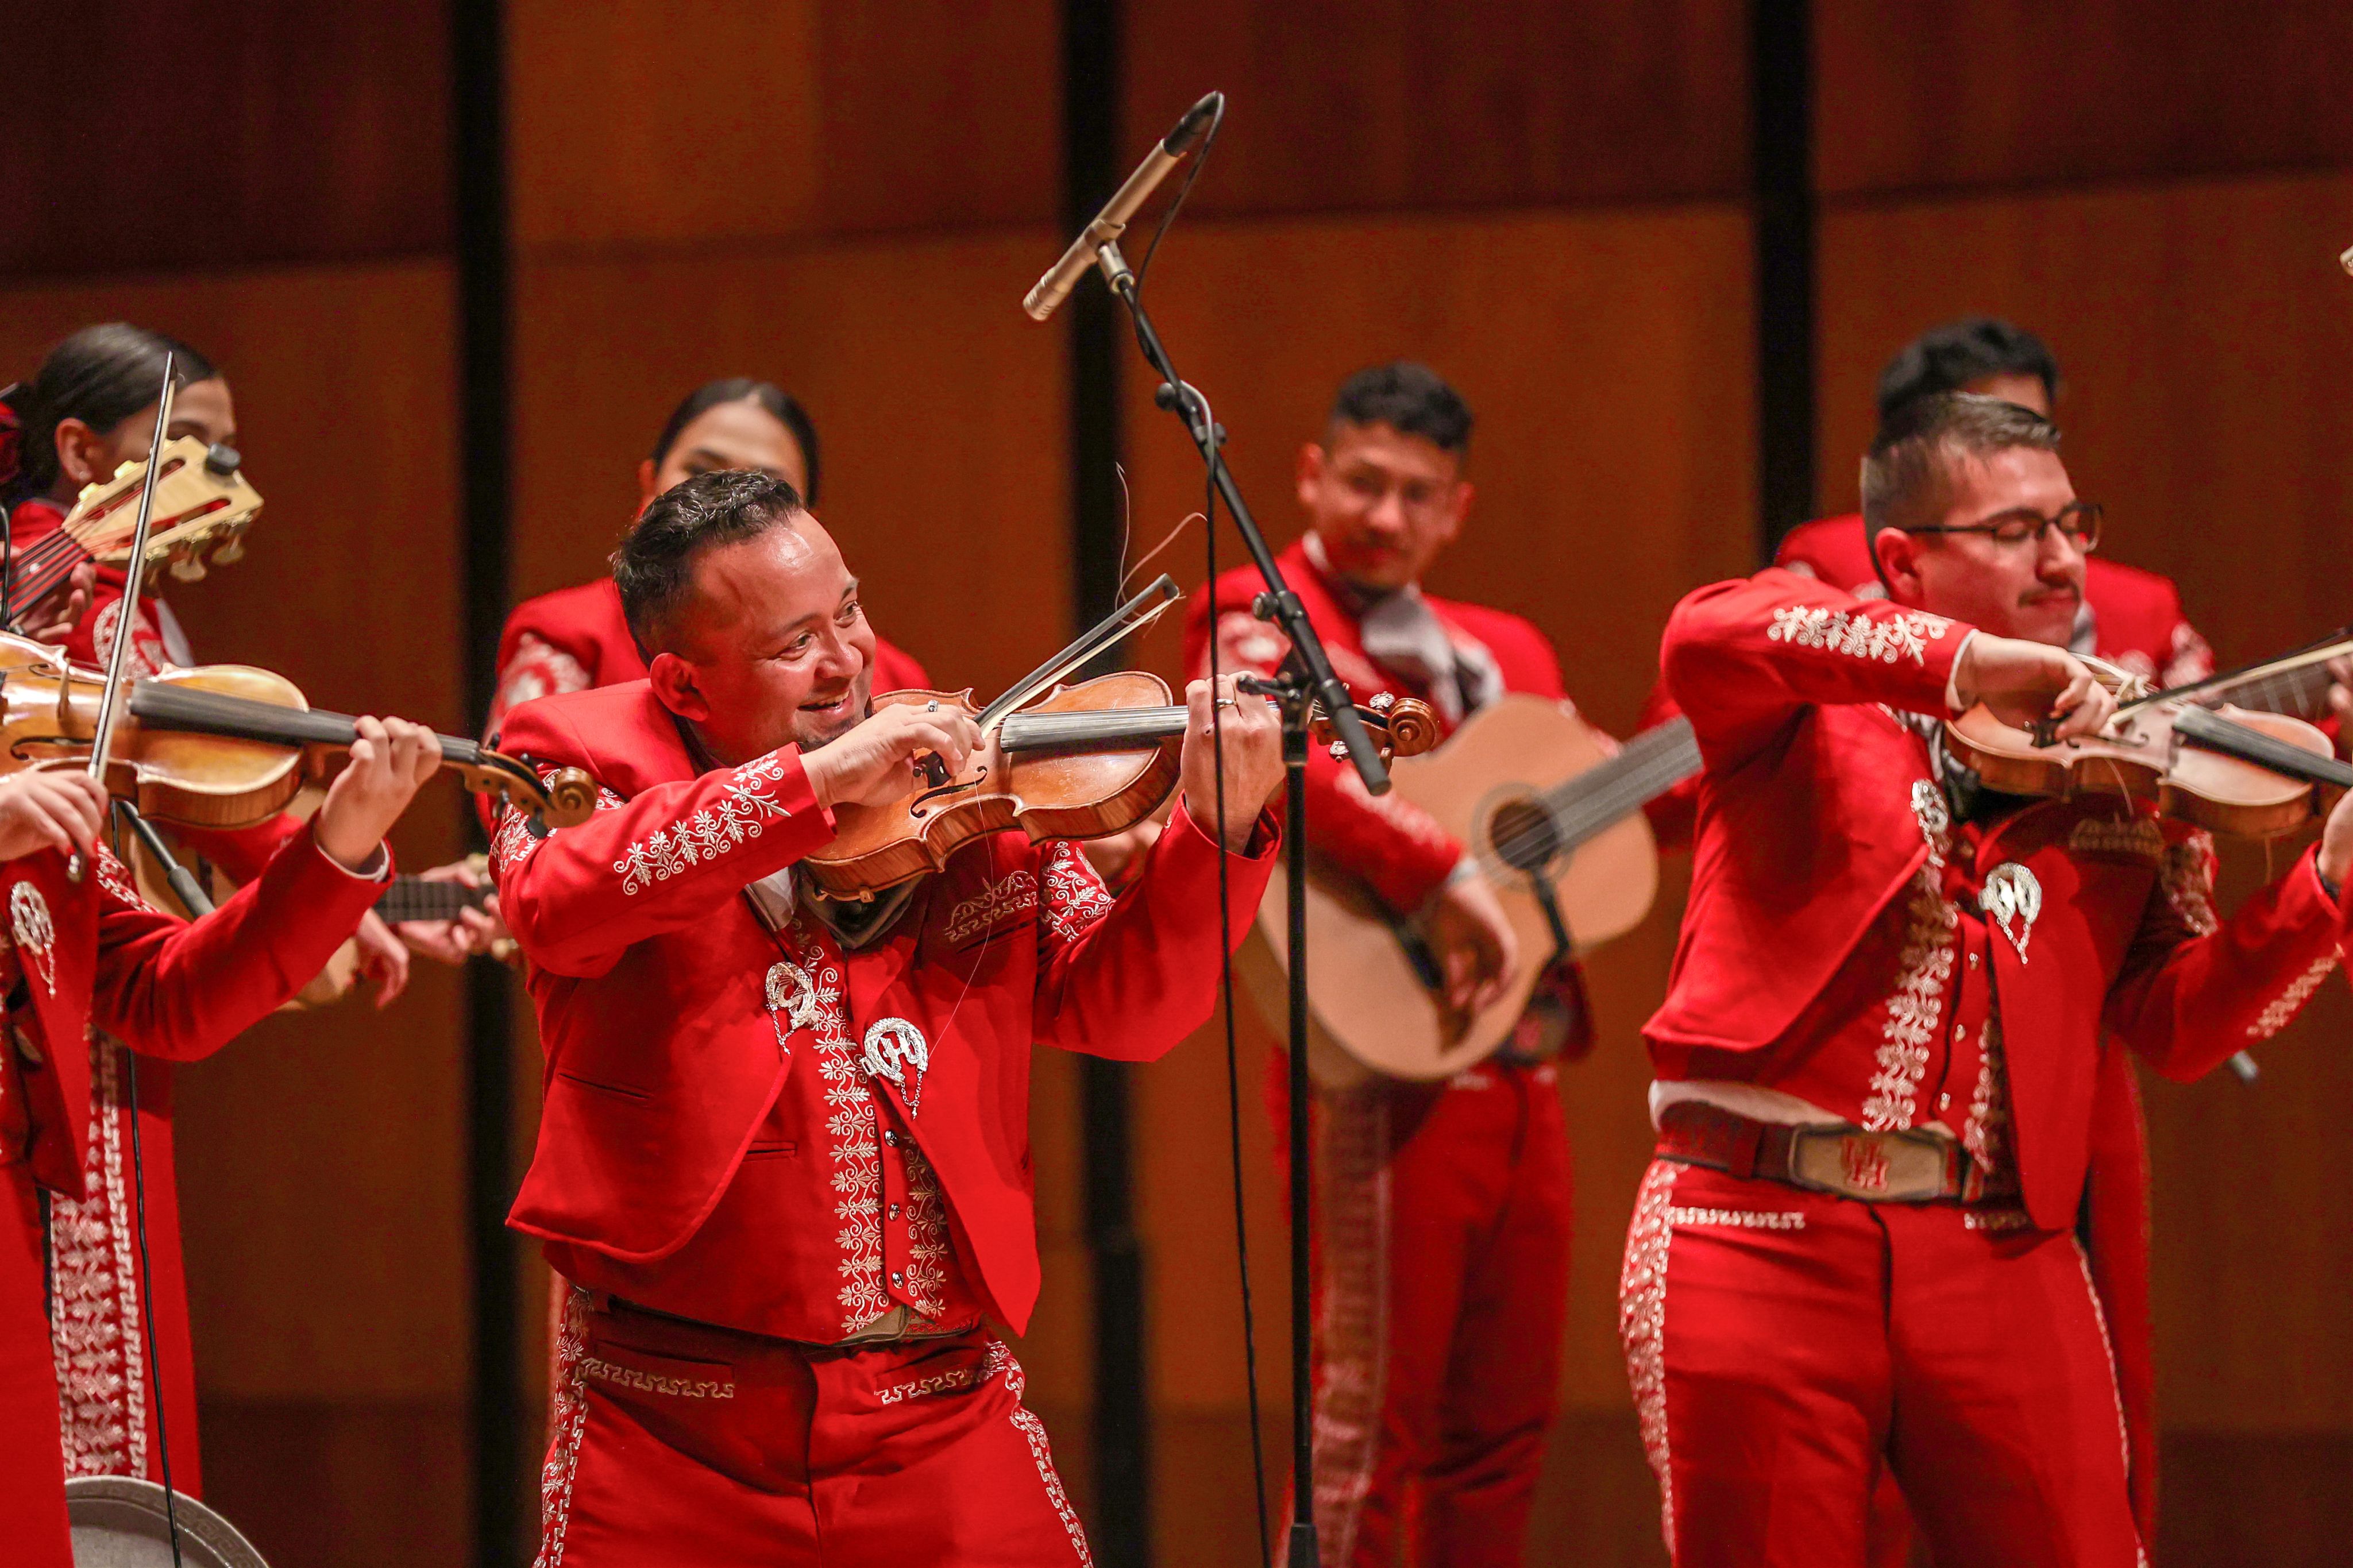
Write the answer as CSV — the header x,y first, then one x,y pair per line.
x,y
1208,140
147,1297
1226,975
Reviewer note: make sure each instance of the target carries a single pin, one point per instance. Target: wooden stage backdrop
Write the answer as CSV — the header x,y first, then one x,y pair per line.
x,y
1550,201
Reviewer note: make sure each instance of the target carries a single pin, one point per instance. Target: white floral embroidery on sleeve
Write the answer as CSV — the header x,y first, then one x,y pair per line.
x,y
750,803
1904,636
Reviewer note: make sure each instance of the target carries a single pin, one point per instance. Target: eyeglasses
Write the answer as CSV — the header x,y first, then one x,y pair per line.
x,y
2080,521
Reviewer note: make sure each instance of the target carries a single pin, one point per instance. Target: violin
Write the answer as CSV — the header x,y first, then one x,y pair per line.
x,y
1082,762
203,505
2229,770
224,745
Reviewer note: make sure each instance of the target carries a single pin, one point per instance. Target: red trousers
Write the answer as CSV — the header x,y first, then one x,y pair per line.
x,y
1443,1230
31,1460
679,1444
1788,1347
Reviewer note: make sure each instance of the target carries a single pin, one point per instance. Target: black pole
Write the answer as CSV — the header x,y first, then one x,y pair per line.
x,y
1780,89
1305,1551
479,186
1123,1416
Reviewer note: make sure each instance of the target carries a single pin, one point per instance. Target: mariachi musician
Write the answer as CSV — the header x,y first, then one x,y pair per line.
x,y
576,638
84,952
1443,1219
784,1150
93,406
1873,1238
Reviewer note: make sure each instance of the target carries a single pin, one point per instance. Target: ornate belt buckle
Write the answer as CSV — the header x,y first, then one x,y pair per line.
x,y
1903,1167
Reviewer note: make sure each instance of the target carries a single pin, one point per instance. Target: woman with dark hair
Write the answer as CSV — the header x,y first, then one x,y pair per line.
x,y
91,407
574,638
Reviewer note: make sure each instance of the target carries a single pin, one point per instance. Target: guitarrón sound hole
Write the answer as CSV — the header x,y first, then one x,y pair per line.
x,y
1524,835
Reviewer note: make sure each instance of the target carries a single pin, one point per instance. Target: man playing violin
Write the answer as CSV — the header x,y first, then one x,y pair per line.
x,y
785,1152
82,951
1443,1215
576,638
1897,1003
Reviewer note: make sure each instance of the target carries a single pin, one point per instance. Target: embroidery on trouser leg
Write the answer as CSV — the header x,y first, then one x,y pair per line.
x,y
2115,1382
101,1357
567,1421
1353,1322
1025,1421
1643,1325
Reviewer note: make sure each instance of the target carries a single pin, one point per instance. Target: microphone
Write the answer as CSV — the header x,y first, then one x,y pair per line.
x,y
1111,222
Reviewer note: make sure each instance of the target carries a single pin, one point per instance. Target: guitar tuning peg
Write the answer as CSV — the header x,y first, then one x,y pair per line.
x,y
231,551
188,569
122,469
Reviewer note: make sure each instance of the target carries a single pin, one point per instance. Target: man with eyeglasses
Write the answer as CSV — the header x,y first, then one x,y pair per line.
x,y
1898,1010
2126,615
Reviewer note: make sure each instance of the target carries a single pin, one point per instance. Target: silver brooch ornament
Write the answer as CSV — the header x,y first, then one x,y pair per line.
x,y
2011,894
893,1045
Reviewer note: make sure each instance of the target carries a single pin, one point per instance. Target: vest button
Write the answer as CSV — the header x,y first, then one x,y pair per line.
x,y
898,1279
892,1139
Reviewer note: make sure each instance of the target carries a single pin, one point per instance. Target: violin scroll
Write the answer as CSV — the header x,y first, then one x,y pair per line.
x,y
566,799
1400,727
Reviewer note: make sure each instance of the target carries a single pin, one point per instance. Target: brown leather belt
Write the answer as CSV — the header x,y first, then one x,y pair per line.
x,y
1899,1167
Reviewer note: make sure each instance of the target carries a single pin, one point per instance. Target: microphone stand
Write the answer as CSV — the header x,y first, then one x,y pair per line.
x,y
1307,683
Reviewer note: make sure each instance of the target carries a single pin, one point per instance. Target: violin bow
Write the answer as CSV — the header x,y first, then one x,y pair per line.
x,y
118,662
1131,617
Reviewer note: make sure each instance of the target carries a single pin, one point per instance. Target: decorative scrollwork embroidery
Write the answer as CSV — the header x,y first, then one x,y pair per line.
x,y
2290,1002
750,803
1906,635
656,1383
1923,970
1642,1323
1075,896
1000,1360
1738,1219
2186,876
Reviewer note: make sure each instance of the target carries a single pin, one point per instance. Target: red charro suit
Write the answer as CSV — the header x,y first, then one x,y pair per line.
x,y
82,958
575,640
1836,967
740,1188
1442,1209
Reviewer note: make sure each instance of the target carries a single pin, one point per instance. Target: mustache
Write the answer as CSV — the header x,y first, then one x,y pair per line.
x,y
2042,592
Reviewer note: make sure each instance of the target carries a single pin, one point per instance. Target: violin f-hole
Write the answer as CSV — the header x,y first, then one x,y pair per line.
x,y
921,803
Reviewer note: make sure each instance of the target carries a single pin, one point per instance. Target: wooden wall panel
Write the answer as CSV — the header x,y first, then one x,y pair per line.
x,y
1396,106
940,407
1607,360
1954,94
142,133
638,123
2203,330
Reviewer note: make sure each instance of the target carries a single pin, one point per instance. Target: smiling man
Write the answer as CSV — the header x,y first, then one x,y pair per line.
x,y
785,1152
1898,1006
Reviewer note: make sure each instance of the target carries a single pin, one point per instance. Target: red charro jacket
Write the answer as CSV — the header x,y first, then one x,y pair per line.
x,y
648,966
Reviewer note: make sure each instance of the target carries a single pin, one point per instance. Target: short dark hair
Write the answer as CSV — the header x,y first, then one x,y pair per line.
x,y
779,403
101,375
1904,476
654,567
1947,358
1411,399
